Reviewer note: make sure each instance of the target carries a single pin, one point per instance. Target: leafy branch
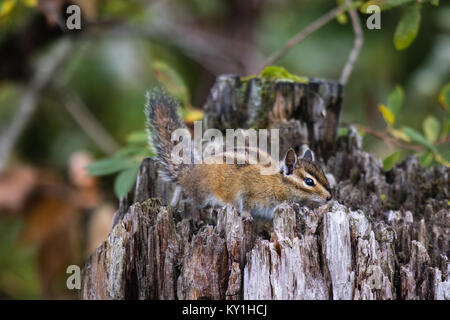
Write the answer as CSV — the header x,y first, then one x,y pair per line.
x,y
426,143
409,23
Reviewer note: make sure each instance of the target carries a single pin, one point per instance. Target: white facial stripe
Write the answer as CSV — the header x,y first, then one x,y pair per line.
x,y
295,179
316,198
309,176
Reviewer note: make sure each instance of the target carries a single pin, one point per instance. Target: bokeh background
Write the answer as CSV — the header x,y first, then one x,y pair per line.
x,y
52,214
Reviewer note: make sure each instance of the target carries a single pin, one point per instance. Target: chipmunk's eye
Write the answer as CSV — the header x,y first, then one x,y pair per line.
x,y
309,182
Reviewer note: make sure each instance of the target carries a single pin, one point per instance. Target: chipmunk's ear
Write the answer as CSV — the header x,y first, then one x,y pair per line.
x,y
289,162
308,155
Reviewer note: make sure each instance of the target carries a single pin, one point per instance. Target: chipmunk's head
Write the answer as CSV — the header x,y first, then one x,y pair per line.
x,y
306,177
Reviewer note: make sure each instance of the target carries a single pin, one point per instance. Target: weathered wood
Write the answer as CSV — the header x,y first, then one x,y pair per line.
x,y
327,253
386,235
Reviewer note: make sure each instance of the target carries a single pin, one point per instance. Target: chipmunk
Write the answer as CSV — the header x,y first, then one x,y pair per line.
x,y
297,179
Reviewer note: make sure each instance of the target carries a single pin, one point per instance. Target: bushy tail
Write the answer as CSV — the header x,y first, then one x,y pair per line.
x,y
162,120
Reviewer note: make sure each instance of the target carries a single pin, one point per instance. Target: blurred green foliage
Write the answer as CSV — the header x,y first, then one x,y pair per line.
x,y
18,272
432,130
125,162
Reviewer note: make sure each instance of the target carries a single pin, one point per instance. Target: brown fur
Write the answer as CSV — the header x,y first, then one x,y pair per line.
x,y
162,120
230,183
241,183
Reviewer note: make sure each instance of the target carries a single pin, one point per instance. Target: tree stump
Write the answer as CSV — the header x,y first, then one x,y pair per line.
x,y
304,112
386,235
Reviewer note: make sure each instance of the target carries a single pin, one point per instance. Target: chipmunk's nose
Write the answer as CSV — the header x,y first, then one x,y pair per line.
x,y
330,195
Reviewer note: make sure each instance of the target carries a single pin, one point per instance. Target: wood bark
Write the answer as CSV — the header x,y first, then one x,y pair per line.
x,y
385,235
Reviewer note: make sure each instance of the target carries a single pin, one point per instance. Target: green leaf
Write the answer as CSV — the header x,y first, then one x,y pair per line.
x,y
30,3
387,114
444,97
342,18
431,128
395,100
399,134
419,138
426,159
125,181
439,158
133,150
138,137
6,7
434,2
407,27
389,161
110,165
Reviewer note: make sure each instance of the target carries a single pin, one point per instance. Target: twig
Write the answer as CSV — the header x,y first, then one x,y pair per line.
x,y
43,75
88,122
303,34
380,135
214,52
384,135
443,140
357,44
176,24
